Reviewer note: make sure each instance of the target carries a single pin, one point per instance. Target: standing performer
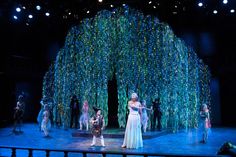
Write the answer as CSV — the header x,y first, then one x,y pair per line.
x,y
133,133
84,118
74,106
98,124
60,114
144,116
45,126
157,114
40,115
205,122
19,112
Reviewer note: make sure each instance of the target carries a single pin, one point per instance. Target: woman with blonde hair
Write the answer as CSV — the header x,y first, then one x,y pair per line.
x,y
133,134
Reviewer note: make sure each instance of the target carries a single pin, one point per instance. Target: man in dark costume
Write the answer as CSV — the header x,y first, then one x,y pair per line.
x,y
74,106
98,124
156,114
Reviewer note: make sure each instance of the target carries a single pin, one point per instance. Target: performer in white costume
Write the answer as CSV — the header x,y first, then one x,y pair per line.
x,y
133,134
84,118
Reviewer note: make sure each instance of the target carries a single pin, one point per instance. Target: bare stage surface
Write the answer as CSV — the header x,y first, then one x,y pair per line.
x,y
185,143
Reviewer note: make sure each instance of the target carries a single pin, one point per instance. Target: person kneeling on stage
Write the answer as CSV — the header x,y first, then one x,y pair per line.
x,y
98,124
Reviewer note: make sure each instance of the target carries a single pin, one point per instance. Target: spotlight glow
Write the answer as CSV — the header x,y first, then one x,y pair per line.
x,y
18,9
232,10
100,1
215,11
47,14
30,16
38,7
225,1
150,2
15,17
154,7
112,6
200,4
24,7
123,5
88,12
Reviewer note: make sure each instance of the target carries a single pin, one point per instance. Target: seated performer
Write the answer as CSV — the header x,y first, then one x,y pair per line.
x,y
19,112
84,118
98,124
144,116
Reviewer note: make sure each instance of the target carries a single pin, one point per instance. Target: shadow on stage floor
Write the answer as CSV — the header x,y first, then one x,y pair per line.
x,y
184,143
118,133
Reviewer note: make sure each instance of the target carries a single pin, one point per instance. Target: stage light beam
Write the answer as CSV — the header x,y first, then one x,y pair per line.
x,y
225,1
38,7
47,14
200,4
15,17
18,9
30,16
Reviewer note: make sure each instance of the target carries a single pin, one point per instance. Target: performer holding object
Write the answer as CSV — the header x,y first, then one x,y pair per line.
x,y
98,125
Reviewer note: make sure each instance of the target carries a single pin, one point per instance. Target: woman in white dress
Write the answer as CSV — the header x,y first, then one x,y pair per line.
x,y
46,124
144,116
84,118
133,133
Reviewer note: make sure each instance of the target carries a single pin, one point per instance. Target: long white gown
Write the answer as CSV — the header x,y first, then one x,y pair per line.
x,y
133,133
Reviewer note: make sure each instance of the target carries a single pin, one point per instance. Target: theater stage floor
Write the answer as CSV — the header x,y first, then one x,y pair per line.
x,y
179,143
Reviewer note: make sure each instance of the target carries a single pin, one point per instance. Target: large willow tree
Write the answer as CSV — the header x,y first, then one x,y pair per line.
x,y
145,57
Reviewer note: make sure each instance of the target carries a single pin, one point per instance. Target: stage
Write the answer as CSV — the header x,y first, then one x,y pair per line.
x,y
184,143
118,133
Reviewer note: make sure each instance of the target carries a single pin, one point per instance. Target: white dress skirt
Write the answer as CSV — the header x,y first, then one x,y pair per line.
x,y
133,134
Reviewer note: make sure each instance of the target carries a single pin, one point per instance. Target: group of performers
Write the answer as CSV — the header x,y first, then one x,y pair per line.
x,y
137,121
